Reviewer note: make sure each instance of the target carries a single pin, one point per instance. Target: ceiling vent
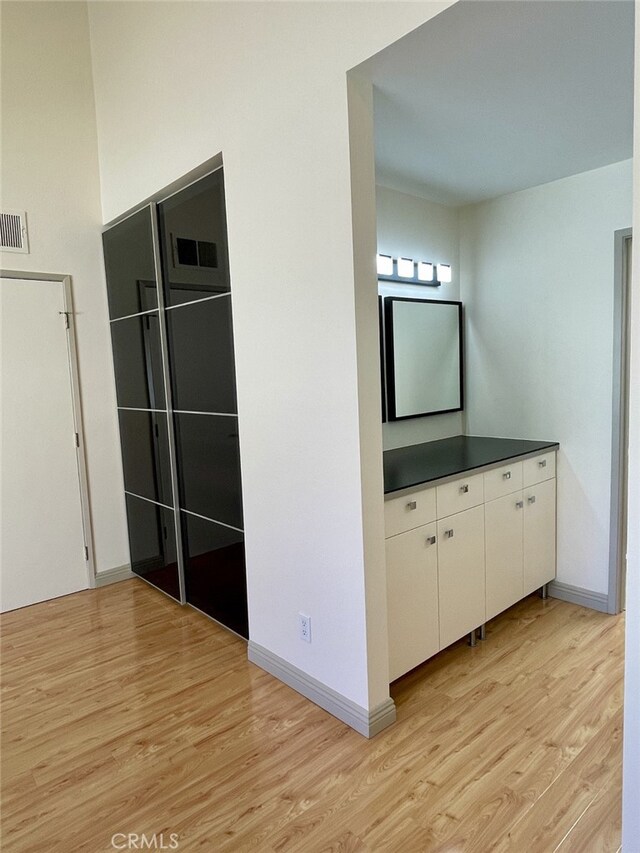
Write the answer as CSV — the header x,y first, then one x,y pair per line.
x,y
13,231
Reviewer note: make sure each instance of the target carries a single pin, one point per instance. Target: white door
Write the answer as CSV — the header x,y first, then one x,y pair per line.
x,y
42,549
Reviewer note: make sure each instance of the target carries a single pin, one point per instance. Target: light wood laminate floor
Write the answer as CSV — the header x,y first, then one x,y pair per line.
x,y
124,713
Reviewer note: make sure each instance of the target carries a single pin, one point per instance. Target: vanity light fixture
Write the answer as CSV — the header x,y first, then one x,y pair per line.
x,y
408,271
444,273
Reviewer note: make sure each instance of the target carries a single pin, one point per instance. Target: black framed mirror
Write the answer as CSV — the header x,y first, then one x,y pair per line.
x,y
424,357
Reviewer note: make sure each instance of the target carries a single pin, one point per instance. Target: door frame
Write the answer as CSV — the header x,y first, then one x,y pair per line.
x,y
620,431
76,402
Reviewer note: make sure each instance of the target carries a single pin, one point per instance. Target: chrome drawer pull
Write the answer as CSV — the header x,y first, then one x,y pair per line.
x,y
507,476
449,534
532,499
464,489
542,463
431,540
412,505
519,504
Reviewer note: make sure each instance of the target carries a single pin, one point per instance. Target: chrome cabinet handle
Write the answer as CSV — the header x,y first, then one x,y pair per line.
x,y
542,463
507,476
519,504
449,534
532,499
464,489
412,505
431,540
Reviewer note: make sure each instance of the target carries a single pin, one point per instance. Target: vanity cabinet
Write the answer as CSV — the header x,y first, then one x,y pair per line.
x,y
461,551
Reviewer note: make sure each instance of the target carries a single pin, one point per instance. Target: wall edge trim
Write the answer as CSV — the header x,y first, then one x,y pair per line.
x,y
579,595
366,723
114,575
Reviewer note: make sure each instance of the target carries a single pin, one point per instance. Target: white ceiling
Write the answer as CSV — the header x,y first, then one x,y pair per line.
x,y
492,97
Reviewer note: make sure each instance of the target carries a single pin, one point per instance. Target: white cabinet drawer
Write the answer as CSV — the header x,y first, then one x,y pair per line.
x,y
460,494
539,468
409,511
502,481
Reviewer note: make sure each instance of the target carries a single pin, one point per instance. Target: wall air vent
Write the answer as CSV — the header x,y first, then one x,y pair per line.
x,y
13,231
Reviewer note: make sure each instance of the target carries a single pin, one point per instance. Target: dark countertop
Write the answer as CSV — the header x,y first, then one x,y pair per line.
x,y
421,463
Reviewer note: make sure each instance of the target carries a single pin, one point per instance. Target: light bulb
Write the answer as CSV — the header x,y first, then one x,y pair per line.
x,y
384,264
405,267
425,271
444,273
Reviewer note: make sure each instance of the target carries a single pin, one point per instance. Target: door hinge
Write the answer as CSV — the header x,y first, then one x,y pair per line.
x,y
86,554
66,318
77,439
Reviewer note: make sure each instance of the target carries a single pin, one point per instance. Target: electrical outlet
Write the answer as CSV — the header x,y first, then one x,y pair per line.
x,y
304,626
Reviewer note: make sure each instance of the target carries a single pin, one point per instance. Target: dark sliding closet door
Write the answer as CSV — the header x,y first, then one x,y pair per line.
x,y
136,337
197,294
176,393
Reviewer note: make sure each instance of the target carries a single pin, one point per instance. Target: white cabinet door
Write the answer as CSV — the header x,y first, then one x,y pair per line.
x,y
504,519
539,535
412,598
461,574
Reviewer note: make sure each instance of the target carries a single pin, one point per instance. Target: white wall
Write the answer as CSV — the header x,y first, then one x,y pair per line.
x,y
409,226
50,169
537,282
265,83
631,759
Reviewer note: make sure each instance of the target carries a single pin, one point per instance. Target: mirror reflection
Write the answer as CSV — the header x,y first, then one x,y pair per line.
x,y
129,266
193,237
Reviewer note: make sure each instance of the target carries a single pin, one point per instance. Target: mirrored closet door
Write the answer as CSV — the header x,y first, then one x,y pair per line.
x,y
171,317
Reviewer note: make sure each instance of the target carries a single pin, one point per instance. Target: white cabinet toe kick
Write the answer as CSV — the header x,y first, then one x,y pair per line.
x,y
460,552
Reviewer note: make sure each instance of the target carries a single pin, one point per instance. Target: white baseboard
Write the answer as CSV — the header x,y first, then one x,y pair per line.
x,y
114,575
579,595
367,723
